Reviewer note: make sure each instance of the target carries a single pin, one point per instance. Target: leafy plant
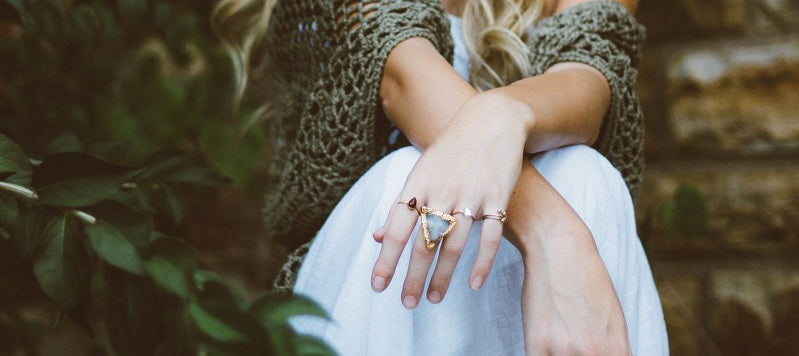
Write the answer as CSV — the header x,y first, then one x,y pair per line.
x,y
128,78
88,230
687,214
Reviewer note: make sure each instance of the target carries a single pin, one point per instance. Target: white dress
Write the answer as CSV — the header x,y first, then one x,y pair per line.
x,y
337,270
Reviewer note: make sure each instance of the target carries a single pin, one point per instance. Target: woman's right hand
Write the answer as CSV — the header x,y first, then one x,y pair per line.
x,y
472,165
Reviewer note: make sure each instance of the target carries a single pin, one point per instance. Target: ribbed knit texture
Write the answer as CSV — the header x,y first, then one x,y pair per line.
x,y
325,60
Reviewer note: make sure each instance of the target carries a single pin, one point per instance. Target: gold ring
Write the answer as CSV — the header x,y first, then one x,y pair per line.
x,y
411,204
501,216
435,226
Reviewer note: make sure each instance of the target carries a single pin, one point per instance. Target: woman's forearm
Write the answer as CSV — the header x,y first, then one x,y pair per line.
x,y
421,92
567,104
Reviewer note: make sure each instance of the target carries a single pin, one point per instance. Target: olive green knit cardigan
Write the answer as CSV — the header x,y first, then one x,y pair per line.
x,y
325,60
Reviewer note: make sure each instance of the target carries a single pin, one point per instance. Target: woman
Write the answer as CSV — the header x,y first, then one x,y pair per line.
x,y
505,153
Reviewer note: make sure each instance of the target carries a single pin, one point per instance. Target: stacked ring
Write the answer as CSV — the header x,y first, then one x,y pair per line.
x,y
466,212
501,216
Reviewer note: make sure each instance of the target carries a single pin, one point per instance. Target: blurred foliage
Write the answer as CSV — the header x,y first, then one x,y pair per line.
x,y
121,107
126,78
90,234
687,214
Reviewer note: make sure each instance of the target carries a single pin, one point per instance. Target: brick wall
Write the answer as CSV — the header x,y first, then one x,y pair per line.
x,y
720,89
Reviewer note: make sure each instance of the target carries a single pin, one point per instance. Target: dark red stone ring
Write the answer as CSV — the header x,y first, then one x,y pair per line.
x,y
411,204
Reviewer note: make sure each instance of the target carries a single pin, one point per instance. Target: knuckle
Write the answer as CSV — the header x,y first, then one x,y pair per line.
x,y
561,345
492,241
440,281
413,287
540,344
393,238
383,269
619,345
420,249
452,249
482,268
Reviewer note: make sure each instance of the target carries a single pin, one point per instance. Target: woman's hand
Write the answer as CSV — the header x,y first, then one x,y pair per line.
x,y
569,305
472,166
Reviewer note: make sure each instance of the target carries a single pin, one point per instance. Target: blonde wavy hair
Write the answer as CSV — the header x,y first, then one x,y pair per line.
x,y
495,33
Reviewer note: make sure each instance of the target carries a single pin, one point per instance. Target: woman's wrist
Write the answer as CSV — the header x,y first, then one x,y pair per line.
x,y
501,105
495,118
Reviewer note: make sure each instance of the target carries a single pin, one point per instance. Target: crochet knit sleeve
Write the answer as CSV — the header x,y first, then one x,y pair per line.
x,y
604,35
325,62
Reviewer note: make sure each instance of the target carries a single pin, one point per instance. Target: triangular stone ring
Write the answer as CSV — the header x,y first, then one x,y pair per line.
x,y
435,226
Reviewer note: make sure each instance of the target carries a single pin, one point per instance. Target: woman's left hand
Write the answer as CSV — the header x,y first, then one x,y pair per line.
x,y
472,166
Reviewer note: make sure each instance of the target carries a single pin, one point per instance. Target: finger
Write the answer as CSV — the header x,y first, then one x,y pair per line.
x,y
421,259
490,237
448,257
379,234
398,228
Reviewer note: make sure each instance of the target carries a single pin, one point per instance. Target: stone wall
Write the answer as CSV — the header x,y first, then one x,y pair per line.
x,y
719,208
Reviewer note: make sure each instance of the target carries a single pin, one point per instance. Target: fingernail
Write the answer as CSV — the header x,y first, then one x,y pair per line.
x,y
409,301
378,284
476,283
434,297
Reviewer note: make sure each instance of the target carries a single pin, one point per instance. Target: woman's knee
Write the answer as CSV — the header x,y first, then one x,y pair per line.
x,y
580,168
590,184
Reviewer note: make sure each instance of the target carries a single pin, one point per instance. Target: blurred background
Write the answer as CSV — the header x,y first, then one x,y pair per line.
x,y
718,213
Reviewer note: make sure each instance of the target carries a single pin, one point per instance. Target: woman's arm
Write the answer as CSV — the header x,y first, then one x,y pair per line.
x,y
564,106
421,93
562,264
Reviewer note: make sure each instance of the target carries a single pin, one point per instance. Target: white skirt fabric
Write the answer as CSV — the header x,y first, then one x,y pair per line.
x,y
336,272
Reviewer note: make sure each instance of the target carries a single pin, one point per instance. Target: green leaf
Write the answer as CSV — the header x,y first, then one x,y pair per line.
x,y
280,338
687,214
169,276
134,225
12,157
22,179
200,176
171,263
213,288
691,213
176,251
132,318
279,307
9,210
180,167
217,323
310,345
113,247
162,199
33,224
171,204
73,179
66,142
62,266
